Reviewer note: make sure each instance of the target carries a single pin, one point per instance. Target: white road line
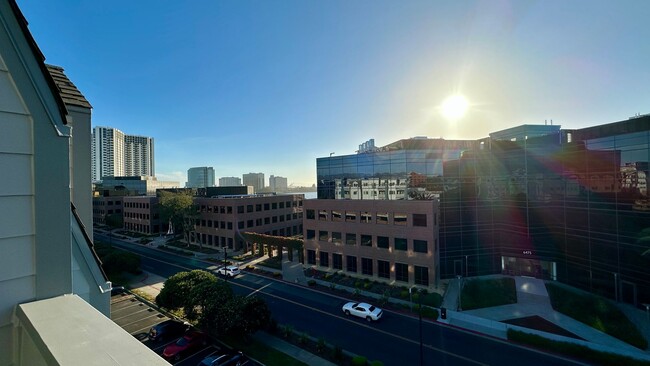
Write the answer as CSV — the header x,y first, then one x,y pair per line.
x,y
259,289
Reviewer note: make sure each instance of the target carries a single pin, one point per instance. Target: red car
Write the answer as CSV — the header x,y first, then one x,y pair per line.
x,y
190,341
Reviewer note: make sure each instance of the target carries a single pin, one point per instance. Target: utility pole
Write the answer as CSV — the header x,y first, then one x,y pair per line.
x,y
225,264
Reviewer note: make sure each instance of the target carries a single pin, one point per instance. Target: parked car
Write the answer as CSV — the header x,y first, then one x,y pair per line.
x,y
226,359
230,271
169,329
191,341
363,310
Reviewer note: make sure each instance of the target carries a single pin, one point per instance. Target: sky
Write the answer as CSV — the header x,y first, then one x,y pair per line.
x,y
269,86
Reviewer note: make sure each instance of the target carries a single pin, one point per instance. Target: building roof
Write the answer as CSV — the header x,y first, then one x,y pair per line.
x,y
68,91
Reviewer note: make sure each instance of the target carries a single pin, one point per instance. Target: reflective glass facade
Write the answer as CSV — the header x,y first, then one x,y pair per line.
x,y
571,206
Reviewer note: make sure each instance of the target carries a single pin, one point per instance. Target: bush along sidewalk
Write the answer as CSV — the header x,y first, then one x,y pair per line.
x,y
319,346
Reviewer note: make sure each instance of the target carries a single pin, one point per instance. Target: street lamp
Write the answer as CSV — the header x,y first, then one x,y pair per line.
x,y
411,297
225,264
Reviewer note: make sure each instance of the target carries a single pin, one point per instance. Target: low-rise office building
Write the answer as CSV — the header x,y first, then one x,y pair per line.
x,y
390,241
141,215
223,219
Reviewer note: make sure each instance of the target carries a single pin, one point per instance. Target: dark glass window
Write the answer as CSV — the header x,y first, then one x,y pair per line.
x,y
337,238
421,275
420,246
337,216
310,215
240,224
351,239
399,219
400,244
337,261
311,234
351,216
249,223
258,207
324,259
366,240
322,215
274,206
249,208
420,220
311,257
383,269
240,209
382,218
366,266
383,242
401,272
267,207
322,235
351,263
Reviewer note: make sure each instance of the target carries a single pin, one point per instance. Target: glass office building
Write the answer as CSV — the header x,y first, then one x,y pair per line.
x,y
566,205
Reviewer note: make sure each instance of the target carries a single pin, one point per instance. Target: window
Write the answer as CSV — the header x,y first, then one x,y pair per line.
x,y
274,206
337,238
366,217
366,266
258,222
383,269
249,223
267,220
267,207
240,209
420,220
382,218
351,263
322,235
310,215
324,259
420,246
281,204
401,272
351,216
399,219
229,225
400,244
229,209
366,240
322,215
421,275
274,219
249,208
337,216
258,207
351,239
382,242
311,257
240,224
337,261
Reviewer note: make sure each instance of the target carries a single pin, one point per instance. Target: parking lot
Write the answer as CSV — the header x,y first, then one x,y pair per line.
x,y
137,317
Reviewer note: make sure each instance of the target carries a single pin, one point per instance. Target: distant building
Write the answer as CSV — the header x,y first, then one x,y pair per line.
x,y
226,191
141,215
229,181
136,186
256,180
278,184
200,177
118,154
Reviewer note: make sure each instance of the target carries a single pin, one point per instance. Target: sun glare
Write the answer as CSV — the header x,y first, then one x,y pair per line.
x,y
454,107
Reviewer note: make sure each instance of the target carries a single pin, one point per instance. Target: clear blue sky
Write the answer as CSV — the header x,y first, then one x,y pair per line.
x,y
269,86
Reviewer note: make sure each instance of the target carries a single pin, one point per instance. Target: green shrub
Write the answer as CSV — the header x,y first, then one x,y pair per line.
x,y
337,353
376,363
483,293
320,347
311,283
359,361
302,338
404,294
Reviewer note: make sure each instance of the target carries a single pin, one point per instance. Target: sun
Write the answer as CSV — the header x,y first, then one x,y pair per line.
x,y
454,107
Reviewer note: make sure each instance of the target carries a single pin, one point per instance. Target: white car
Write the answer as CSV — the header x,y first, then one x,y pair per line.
x,y
363,310
230,271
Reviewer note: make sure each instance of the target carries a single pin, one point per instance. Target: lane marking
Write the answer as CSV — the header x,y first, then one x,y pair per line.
x,y
259,290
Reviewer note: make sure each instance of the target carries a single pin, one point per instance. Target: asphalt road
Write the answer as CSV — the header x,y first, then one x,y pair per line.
x,y
394,340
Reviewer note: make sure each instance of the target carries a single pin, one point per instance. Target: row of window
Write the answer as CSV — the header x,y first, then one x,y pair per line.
x,y
138,215
248,223
108,212
251,208
364,240
385,218
134,204
106,203
370,267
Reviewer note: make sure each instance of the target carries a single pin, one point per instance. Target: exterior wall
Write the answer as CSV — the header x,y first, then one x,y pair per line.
x,y
328,225
104,206
222,219
278,184
229,181
141,185
141,215
116,154
255,180
200,177
81,156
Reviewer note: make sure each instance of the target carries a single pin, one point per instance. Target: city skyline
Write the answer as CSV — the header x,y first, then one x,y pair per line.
x,y
250,86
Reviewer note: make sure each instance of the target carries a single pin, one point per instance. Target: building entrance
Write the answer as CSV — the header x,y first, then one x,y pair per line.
x,y
529,267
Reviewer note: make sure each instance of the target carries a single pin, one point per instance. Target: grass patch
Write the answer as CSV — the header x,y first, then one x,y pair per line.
x,y
597,312
274,262
575,350
484,293
264,353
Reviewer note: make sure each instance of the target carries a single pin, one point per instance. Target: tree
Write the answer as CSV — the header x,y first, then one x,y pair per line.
x,y
180,210
185,290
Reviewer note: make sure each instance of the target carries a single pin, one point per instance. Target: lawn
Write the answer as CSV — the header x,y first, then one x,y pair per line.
x,y
597,312
264,353
484,293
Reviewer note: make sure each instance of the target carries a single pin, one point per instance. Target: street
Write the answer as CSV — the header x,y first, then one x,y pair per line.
x,y
394,340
